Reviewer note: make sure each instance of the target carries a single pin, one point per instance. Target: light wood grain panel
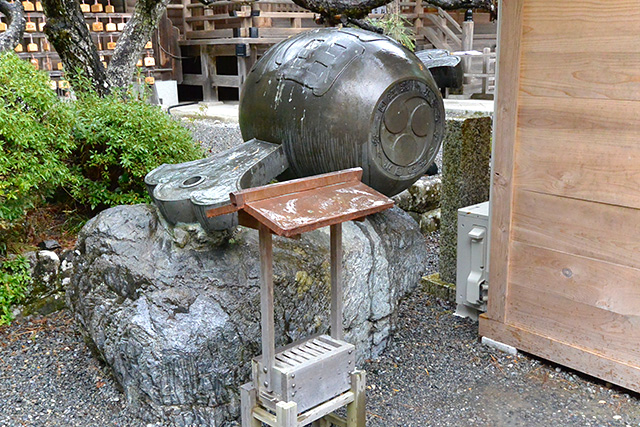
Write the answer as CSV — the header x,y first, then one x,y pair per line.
x,y
576,357
588,150
565,212
551,314
604,232
608,75
581,26
597,116
504,136
591,282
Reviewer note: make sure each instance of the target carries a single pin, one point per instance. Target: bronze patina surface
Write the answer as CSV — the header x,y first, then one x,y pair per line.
x,y
342,98
185,191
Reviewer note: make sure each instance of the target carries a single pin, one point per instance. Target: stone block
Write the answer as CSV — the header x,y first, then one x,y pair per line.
x,y
466,174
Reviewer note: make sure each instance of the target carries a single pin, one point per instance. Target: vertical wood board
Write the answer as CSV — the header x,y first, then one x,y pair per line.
x,y
565,212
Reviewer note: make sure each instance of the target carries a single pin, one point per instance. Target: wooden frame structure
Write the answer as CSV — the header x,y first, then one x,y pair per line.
x,y
246,29
565,202
308,380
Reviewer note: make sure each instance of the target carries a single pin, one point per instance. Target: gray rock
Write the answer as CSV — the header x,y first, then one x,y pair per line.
x,y
430,221
49,245
49,274
177,318
46,269
422,196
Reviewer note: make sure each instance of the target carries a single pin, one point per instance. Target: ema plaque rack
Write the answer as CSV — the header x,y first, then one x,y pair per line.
x,y
307,380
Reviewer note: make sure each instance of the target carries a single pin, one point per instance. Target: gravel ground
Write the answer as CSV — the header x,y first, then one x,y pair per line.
x,y
49,378
214,136
434,372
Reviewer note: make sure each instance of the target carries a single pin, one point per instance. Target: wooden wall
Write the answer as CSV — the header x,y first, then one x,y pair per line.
x,y
565,212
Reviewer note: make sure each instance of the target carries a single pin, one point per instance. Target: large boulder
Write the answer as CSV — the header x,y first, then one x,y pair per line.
x,y
176,315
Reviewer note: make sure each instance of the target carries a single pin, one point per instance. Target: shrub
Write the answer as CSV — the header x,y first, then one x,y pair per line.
x,y
34,141
14,279
119,139
397,27
97,150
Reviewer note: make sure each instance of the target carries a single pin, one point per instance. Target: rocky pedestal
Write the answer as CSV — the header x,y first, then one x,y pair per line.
x,y
177,317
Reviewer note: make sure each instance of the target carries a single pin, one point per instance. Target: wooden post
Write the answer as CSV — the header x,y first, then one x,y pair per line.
x,y
336,281
243,69
418,23
467,45
486,60
356,410
247,403
286,414
266,304
207,67
186,25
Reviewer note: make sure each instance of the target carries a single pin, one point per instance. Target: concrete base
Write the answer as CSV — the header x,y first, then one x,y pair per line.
x,y
226,112
505,348
439,289
465,107
465,311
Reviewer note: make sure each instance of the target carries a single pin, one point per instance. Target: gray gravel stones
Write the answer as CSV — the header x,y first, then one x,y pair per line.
x,y
435,373
49,378
213,135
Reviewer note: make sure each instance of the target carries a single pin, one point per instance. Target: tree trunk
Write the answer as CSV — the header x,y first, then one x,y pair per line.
x,y
136,34
16,23
69,35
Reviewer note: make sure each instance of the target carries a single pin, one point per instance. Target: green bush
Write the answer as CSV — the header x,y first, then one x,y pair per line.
x,y
119,139
34,141
397,27
96,149
14,279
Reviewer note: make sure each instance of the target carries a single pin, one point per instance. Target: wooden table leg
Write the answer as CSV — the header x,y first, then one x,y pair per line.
x,y
356,410
266,305
336,281
286,414
248,401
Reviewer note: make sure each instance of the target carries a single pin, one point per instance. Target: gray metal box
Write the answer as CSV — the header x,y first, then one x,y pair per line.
x,y
472,278
308,373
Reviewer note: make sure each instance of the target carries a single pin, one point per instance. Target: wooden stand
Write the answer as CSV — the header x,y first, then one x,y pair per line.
x,y
308,380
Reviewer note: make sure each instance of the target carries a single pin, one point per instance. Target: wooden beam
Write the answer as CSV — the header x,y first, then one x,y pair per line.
x,y
248,400
504,137
575,357
356,410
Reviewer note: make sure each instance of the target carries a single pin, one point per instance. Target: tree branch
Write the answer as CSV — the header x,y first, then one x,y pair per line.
x,y
16,23
334,10
462,4
135,35
68,33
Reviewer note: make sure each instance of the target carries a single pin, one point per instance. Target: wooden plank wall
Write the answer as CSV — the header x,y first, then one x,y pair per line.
x,y
565,221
